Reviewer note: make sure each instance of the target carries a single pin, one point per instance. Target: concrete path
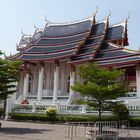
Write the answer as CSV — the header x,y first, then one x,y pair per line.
x,y
30,131
39,131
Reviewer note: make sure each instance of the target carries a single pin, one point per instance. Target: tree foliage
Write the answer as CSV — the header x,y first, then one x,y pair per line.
x,y
121,111
100,86
8,77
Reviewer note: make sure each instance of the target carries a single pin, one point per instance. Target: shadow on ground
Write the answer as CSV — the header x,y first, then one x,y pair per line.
x,y
130,138
14,130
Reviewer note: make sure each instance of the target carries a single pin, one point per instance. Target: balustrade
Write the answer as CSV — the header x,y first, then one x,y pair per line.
x,y
39,108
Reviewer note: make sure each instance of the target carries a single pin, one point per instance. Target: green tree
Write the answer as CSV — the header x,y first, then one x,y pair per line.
x,y
8,77
121,111
100,86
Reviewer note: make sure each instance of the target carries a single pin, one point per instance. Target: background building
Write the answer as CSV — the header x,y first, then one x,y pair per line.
x,y
51,54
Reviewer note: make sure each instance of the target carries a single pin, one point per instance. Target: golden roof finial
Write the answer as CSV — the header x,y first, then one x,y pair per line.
x,y
92,17
96,10
107,17
35,26
47,21
94,13
127,17
109,14
22,32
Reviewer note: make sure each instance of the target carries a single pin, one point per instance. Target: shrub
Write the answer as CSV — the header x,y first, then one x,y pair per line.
x,y
51,113
120,111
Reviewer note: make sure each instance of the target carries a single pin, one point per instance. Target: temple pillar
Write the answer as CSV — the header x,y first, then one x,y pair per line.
x,y
72,81
56,82
138,80
40,83
26,85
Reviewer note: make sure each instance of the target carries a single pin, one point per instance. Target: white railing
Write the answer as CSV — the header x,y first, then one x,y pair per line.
x,y
63,108
132,94
39,108
70,109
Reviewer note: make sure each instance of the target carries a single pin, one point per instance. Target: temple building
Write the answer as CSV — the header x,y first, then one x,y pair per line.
x,y
51,54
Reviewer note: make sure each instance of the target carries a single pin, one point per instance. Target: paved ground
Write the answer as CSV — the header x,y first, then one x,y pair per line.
x,y
30,131
37,131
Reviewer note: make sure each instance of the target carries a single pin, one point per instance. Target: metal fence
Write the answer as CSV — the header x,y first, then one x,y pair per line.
x,y
108,130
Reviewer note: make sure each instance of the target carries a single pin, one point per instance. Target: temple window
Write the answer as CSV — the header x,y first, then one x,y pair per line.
x,y
30,83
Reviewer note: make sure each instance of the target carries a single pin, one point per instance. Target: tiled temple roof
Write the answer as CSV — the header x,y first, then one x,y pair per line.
x,y
50,56
93,43
51,49
112,54
98,28
25,40
78,42
109,46
57,40
64,30
62,40
114,33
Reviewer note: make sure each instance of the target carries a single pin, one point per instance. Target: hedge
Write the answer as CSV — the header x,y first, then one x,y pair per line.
x,y
134,121
59,118
24,117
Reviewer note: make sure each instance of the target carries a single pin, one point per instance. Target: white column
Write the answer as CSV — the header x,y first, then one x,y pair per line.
x,y
26,85
56,83
40,83
138,80
72,81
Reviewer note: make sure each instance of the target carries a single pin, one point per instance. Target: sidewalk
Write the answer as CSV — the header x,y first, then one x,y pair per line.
x,y
39,131
31,131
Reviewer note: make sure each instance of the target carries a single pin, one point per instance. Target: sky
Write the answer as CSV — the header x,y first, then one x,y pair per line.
x,y
22,15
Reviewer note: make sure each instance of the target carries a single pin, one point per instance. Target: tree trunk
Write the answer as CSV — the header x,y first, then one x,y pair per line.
x,y
4,109
100,116
99,110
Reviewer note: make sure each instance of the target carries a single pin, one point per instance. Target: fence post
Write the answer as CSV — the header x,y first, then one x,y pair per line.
x,y
84,107
34,107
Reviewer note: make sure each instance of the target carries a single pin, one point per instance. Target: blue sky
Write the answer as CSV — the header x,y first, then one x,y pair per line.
x,y
17,15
